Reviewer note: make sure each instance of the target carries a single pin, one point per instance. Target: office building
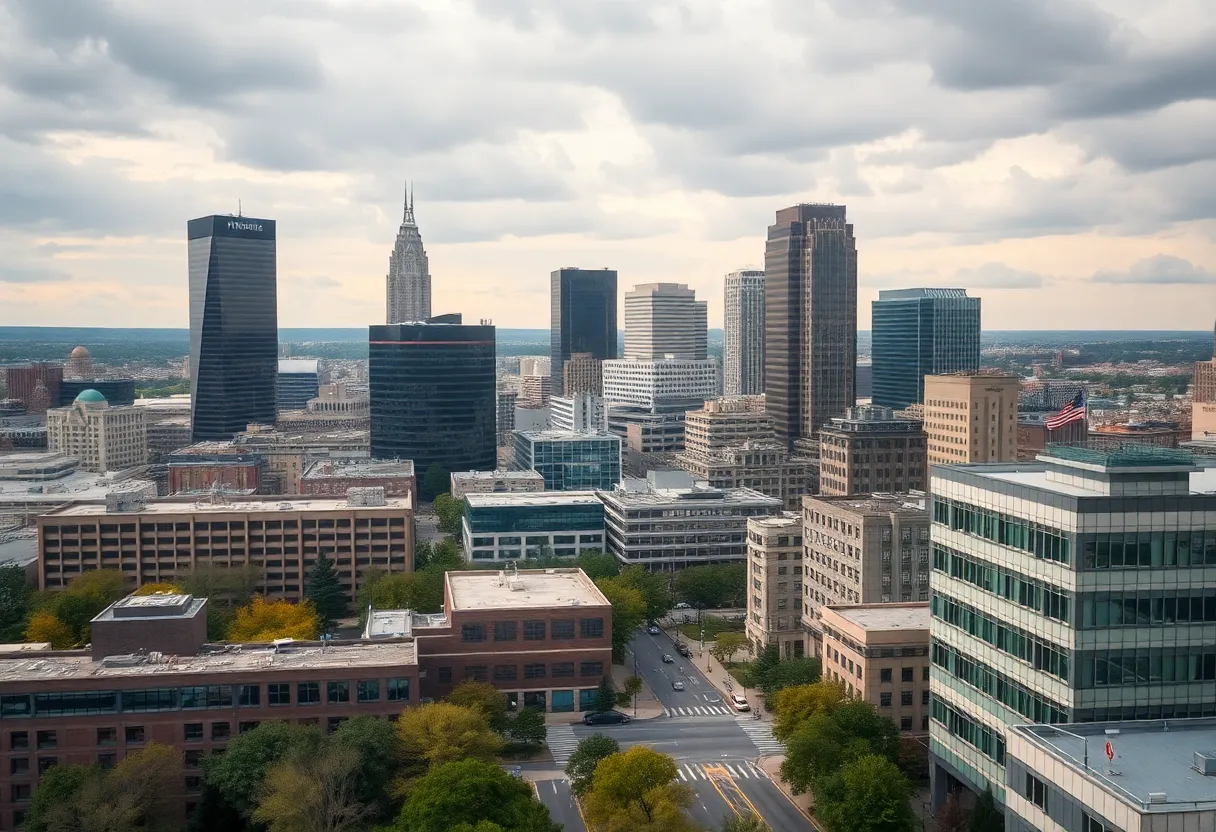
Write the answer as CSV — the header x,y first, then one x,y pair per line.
x,y
408,283
664,320
1034,436
774,584
1203,399
579,413
1149,432
534,365
864,380
970,418
570,461
156,541
234,325
285,453
862,550
337,406
534,391
117,391
433,395
36,385
662,385
335,477
766,467
669,521
880,653
498,527
582,373
504,424
917,333
299,382
223,466
582,317
102,437
743,332
645,432
495,482
870,450
1070,590
1161,777
724,423
80,364
810,319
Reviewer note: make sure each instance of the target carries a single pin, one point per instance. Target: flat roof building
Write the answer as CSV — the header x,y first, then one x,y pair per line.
x,y
774,597
868,450
334,477
102,437
298,382
917,333
513,526
664,320
570,461
971,418
498,481
582,307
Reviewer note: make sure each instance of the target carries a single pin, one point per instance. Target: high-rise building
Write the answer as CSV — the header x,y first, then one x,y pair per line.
x,y
583,373
664,320
24,382
534,391
505,421
408,282
432,393
810,319
118,391
743,354
971,418
234,325
870,450
299,382
534,365
582,316
917,333
724,423
103,438
1074,589
660,386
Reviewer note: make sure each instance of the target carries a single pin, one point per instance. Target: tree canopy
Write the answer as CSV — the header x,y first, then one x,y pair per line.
x,y
440,732
237,774
74,607
727,645
747,822
449,512
793,706
420,591
158,588
313,793
652,586
628,613
483,698
15,596
323,588
581,766
266,620
712,587
869,794
473,793
638,789
436,481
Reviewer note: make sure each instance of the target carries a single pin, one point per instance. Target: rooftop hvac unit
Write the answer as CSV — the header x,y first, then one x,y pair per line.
x,y
1205,763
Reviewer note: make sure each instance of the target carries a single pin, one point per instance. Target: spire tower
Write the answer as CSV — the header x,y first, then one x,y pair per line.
x,y
408,283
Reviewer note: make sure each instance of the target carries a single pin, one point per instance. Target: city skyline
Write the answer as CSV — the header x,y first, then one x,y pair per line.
x,y
965,165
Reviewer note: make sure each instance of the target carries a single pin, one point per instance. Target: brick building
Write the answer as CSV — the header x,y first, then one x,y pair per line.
x,y
332,477
774,583
206,465
24,381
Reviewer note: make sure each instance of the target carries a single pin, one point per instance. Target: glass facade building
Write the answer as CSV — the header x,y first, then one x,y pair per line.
x,y
582,316
234,325
432,394
1074,589
299,380
510,526
920,332
570,461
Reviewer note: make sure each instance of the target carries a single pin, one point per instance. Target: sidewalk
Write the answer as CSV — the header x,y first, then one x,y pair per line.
x,y
648,705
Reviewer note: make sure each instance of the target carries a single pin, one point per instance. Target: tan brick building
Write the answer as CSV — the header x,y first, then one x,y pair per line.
x,y
971,418
774,583
582,373
868,450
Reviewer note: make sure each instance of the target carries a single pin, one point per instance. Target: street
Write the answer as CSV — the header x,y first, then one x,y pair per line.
x,y
699,697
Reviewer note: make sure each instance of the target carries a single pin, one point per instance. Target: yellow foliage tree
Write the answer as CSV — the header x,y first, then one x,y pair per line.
x,y
441,732
266,620
153,589
637,791
794,706
45,626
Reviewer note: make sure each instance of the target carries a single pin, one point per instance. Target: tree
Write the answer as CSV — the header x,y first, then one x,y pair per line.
x,y
637,789
985,816
598,565
15,595
443,555
528,728
380,759
628,613
793,706
472,793
770,673
85,597
869,794
816,751
435,482
605,696
633,686
653,587
226,588
314,793
237,774
744,823
53,804
157,588
581,765
44,626
708,587
324,590
441,732
483,698
266,620
450,512
420,591
727,645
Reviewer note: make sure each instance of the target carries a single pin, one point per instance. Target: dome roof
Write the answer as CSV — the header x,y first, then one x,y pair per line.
x,y
90,396
80,352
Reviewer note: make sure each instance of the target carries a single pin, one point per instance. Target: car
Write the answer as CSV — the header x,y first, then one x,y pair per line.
x,y
605,718
683,606
739,703
677,685
653,630
683,650
668,659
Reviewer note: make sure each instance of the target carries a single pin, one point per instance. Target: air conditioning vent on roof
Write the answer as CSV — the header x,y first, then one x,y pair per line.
x,y
1205,763
1157,797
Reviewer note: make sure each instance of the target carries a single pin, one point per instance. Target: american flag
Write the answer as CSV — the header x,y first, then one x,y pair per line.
x,y
1071,412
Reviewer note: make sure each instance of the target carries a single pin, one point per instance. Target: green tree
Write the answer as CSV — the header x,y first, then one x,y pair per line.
x,y
868,794
727,645
472,793
440,732
420,591
322,587
652,586
446,556
237,774
528,728
793,706
633,686
380,758
313,793
226,588
637,790
449,512
53,804
605,696
770,673
598,565
816,751
747,822
484,698
985,816
15,595
436,481
581,766
628,613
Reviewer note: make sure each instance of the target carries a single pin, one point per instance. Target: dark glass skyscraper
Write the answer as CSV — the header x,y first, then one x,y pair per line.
x,y
582,315
810,319
432,394
234,325
920,332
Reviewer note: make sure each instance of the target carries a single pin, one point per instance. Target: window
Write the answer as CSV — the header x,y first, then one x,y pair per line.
x,y
884,700
562,629
46,763
445,675
337,692
591,669
194,732
19,766
86,702
134,734
884,675
905,698
924,673
1092,824
473,632
206,696
15,706
534,671
905,674
504,672
221,730
278,693
477,673
562,670
398,690
47,739
18,740
591,628
924,697
535,631
1036,791
107,736
19,792
149,699
905,723
308,693
504,631
369,690
249,696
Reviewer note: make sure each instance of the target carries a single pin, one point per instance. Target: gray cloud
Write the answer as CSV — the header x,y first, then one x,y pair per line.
x,y
1159,270
15,273
997,276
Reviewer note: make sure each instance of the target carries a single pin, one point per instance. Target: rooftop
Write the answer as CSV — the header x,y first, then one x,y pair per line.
x,y
171,505
157,605
522,589
178,402
629,494
533,498
916,294
914,616
879,503
1124,455
498,474
18,546
78,485
1036,475
361,468
387,624
1152,757
566,436
782,521
236,658
299,365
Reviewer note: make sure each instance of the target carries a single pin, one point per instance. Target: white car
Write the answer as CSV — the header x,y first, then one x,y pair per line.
x,y
683,606
677,685
739,703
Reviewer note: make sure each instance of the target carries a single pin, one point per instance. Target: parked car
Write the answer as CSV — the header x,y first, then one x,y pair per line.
x,y
653,630
739,703
683,606
677,685
605,718
683,650
668,659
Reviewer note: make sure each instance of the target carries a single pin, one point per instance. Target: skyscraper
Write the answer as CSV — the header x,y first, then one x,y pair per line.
x,y
664,320
432,394
234,325
582,315
409,273
810,318
743,357
921,332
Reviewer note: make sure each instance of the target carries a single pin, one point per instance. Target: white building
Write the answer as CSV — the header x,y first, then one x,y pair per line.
x,y
515,526
497,482
743,355
534,365
580,413
103,438
664,320
669,383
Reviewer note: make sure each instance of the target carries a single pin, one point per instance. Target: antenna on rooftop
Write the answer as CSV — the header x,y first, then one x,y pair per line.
x,y
238,208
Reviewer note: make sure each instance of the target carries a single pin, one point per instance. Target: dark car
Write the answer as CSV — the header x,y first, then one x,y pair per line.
x,y
683,650
605,718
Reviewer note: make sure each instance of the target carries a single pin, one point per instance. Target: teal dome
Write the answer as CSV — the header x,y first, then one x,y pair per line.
x,y
90,396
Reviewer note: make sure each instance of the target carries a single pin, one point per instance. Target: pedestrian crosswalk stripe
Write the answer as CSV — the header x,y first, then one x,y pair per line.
x,y
738,769
699,710
761,734
562,743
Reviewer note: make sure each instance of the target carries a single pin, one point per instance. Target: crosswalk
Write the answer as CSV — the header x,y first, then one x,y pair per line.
x,y
761,733
738,769
561,742
699,710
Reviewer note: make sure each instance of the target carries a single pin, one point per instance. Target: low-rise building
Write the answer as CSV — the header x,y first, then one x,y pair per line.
x,y
869,450
774,583
880,652
1162,434
335,407
103,438
763,466
207,465
645,432
333,477
499,481
512,526
570,461
579,412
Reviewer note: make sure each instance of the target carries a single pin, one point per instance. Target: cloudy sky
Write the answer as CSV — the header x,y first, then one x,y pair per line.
x,y
1057,157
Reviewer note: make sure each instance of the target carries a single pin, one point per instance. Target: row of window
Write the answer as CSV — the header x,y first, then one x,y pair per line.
x,y
1042,655
1033,594
1147,550
905,699
1145,666
1037,539
533,630
988,742
509,672
1146,609
996,685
